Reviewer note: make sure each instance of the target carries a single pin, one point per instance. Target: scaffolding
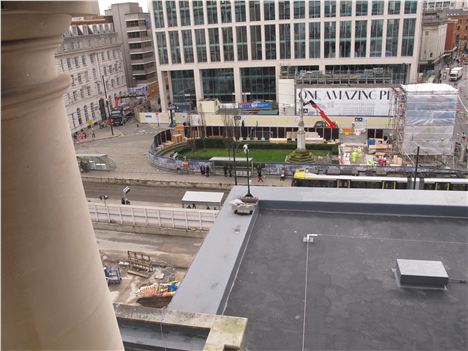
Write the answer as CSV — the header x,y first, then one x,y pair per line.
x,y
425,116
364,77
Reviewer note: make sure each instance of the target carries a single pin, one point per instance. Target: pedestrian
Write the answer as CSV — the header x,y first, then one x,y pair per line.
x,y
283,174
207,168
202,170
225,168
259,175
230,170
193,206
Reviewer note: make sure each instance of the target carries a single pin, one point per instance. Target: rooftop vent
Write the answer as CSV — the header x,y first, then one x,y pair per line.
x,y
421,274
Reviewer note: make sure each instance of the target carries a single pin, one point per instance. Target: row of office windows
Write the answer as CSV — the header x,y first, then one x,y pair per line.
x,y
180,15
260,82
71,63
87,91
365,31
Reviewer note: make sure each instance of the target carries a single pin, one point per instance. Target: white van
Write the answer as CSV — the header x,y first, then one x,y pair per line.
x,y
456,73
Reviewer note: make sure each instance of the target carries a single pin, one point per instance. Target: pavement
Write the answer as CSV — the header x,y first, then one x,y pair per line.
x,y
128,148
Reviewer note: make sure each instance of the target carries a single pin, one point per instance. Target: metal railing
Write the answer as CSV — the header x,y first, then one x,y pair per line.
x,y
152,216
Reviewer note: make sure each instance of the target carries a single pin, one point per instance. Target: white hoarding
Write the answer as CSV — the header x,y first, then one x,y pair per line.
x,y
347,101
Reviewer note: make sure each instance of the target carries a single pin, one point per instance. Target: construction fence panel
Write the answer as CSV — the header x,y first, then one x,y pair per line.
x,y
153,216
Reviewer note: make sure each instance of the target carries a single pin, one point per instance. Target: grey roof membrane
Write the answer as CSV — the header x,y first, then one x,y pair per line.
x,y
255,267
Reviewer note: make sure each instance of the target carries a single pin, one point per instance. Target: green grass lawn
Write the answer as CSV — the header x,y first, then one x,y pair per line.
x,y
259,155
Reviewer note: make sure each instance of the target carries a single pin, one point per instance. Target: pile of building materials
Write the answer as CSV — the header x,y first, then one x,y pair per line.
x,y
429,119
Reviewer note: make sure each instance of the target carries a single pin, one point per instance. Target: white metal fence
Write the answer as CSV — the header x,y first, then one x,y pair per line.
x,y
153,216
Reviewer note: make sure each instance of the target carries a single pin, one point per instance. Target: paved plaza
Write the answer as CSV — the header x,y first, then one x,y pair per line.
x,y
128,148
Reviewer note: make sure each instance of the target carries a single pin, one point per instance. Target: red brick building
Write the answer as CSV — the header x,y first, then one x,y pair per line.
x,y
460,29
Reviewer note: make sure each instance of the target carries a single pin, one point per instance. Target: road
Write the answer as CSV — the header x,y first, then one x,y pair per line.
x,y
139,193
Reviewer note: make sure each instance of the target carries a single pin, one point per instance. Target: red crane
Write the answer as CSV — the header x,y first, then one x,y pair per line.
x,y
329,122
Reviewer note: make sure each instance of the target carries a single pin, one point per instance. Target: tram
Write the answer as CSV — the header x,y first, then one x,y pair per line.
x,y
303,178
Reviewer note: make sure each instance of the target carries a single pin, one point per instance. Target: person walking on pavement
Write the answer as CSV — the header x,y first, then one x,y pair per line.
x,y
230,170
259,175
225,168
207,168
202,170
283,174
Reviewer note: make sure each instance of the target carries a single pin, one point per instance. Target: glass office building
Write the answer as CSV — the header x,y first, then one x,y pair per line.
x,y
234,50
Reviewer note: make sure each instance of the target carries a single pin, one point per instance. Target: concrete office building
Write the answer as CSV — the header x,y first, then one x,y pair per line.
x,y
434,36
133,27
90,54
235,50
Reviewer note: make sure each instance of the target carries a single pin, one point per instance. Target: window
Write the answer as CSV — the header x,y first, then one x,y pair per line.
x,y
86,76
201,45
391,48
346,8
82,93
360,38
228,45
242,45
329,39
254,10
314,40
175,46
75,95
212,12
284,9
409,26
269,10
79,78
240,10
183,86
184,13
345,39
93,110
256,42
219,84
376,38
78,114
299,9
314,8
270,42
162,47
299,40
171,13
83,60
361,8
226,14
77,63
94,73
198,12
378,7
285,41
213,35
330,8
411,7
188,46
91,58
88,90
69,66
108,55
394,7
260,82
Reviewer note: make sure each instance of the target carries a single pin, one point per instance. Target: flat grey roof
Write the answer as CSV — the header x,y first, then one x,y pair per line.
x,y
254,267
203,196
422,268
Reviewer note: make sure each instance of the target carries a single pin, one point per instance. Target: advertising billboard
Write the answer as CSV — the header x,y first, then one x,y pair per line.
x,y
347,101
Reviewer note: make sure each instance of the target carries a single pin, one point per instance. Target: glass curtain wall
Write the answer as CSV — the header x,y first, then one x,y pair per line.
x,y
175,46
270,42
240,10
391,48
330,39
188,46
409,27
218,84
226,11
184,10
260,82
256,42
183,86
198,12
213,35
162,48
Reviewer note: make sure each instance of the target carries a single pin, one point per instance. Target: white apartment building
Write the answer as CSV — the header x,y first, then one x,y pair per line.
x,y
236,50
91,55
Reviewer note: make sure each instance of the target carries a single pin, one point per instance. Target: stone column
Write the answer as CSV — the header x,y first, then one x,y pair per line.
x,y
54,295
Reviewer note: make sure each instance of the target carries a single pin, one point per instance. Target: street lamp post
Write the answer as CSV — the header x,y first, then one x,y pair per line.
x,y
416,169
171,109
246,150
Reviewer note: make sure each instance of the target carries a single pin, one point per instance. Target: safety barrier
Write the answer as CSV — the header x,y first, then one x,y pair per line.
x,y
153,216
